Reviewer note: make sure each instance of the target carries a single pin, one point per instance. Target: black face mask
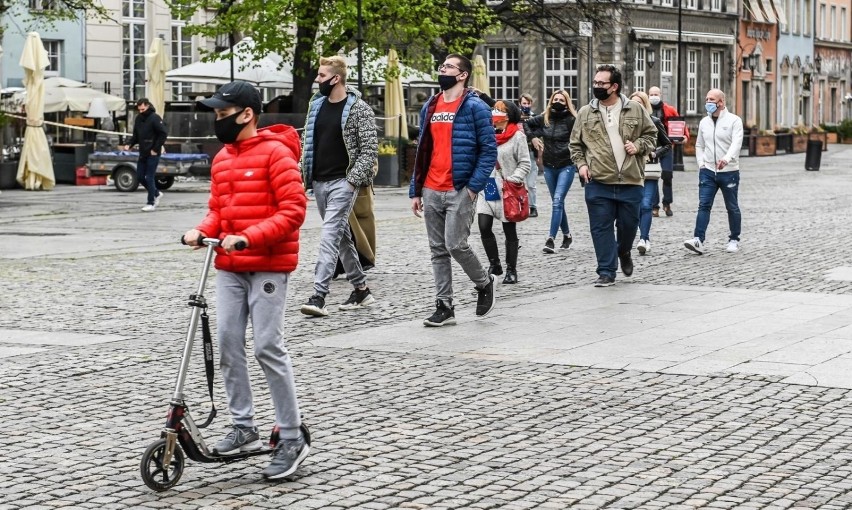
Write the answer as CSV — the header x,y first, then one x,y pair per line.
x,y
227,130
558,108
601,93
446,82
325,87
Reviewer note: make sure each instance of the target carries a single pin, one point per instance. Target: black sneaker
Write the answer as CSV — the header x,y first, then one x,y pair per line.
x,y
549,247
443,316
668,209
486,298
286,457
604,281
239,439
533,212
566,242
626,263
315,306
358,299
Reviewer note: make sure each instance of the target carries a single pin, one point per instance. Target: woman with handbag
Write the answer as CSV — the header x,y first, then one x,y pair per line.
x,y
513,165
653,171
550,133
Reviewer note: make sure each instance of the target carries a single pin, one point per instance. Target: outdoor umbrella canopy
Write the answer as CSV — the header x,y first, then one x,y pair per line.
x,y
35,168
262,73
157,63
396,124
63,94
480,75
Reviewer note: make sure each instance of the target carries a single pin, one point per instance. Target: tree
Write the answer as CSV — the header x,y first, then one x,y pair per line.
x,y
422,30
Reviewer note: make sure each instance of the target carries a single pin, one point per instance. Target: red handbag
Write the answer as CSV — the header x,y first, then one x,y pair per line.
x,y
516,201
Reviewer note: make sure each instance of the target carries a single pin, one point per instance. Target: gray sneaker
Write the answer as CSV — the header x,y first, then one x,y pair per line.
x,y
239,439
286,458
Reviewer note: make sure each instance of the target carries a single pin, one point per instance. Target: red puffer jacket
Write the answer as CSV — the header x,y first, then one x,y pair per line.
x,y
256,191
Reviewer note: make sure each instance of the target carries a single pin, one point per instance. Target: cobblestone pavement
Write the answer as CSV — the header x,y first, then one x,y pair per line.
x,y
415,431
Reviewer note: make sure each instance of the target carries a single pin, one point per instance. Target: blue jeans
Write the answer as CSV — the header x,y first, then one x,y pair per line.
x,y
146,167
558,183
608,204
709,182
650,197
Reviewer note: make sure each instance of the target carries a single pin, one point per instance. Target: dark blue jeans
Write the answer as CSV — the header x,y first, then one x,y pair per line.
x,y
559,181
650,197
709,182
146,167
608,204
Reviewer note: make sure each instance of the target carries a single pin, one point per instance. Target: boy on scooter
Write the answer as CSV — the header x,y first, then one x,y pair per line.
x,y
256,198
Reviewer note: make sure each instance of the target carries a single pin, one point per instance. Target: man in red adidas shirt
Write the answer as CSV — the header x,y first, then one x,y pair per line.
x,y
456,153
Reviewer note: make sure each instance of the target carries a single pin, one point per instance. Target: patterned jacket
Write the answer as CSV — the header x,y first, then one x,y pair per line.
x,y
359,136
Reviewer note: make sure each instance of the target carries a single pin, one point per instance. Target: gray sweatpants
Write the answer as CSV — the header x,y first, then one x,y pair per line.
x,y
448,216
335,200
263,298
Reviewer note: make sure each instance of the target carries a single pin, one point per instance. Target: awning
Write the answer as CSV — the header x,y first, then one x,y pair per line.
x,y
754,9
779,11
767,9
661,34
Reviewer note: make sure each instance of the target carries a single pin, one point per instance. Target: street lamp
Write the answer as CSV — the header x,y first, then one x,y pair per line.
x,y
650,57
818,64
677,154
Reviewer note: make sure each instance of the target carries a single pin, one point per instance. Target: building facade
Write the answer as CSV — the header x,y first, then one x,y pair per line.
x,y
795,67
832,98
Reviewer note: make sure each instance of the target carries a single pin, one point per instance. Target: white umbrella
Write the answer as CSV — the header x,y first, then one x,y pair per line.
x,y
262,73
157,63
396,124
35,169
480,75
63,94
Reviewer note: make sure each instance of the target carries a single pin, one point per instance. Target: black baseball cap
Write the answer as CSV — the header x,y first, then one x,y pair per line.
x,y
236,93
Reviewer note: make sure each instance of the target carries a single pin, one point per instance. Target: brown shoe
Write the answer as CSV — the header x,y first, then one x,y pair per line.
x,y
655,212
668,209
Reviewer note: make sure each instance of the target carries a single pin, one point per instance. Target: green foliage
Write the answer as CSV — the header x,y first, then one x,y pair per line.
x,y
52,12
844,129
829,128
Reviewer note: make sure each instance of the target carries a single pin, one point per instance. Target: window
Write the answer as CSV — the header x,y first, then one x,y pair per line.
x,y
503,76
821,33
667,3
54,57
691,4
181,56
843,36
42,5
769,69
785,102
716,70
133,49
807,18
560,71
832,22
795,15
692,81
639,70
716,5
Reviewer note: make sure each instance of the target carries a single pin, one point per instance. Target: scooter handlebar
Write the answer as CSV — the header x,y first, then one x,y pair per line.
x,y
212,241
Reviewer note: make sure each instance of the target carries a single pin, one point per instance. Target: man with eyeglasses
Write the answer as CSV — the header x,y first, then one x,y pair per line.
x,y
150,133
456,152
609,144
717,150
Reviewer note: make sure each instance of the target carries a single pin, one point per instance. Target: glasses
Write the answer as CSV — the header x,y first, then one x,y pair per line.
x,y
448,66
601,83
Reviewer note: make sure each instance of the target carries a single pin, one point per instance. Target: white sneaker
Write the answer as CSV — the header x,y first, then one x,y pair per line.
x,y
694,245
149,208
643,247
157,199
733,246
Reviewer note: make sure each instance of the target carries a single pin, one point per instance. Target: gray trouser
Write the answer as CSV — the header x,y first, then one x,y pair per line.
x,y
263,297
532,179
448,216
335,200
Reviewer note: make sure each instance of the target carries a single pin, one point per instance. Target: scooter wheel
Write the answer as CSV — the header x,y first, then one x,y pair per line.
x,y
157,476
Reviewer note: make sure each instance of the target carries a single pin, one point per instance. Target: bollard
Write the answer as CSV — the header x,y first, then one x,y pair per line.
x,y
813,155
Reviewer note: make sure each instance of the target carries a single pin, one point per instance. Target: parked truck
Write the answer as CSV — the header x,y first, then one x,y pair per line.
x,y
121,167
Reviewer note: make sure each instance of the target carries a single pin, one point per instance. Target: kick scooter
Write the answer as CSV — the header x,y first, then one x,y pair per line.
x,y
163,461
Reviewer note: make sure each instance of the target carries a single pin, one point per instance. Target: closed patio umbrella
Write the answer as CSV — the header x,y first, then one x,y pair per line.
x,y
35,168
396,124
480,75
157,63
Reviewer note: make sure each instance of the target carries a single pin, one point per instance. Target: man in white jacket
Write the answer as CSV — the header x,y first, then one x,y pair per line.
x,y
717,149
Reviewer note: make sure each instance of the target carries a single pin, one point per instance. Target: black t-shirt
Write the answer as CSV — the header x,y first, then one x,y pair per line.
x,y
330,156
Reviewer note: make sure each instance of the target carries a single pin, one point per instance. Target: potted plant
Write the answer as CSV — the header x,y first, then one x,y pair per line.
x,y
844,131
800,139
830,132
388,174
764,143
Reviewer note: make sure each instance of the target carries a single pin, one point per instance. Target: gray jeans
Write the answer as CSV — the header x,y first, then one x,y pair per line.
x,y
263,298
334,201
448,216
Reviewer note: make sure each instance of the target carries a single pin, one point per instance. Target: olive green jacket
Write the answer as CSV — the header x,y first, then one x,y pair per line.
x,y
590,143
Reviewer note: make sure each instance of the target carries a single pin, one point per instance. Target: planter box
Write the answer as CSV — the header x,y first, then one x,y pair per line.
x,y
388,171
800,144
831,137
764,145
822,137
8,173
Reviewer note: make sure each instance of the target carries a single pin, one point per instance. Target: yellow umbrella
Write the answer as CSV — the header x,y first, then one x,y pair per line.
x,y
396,124
35,169
157,63
480,75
